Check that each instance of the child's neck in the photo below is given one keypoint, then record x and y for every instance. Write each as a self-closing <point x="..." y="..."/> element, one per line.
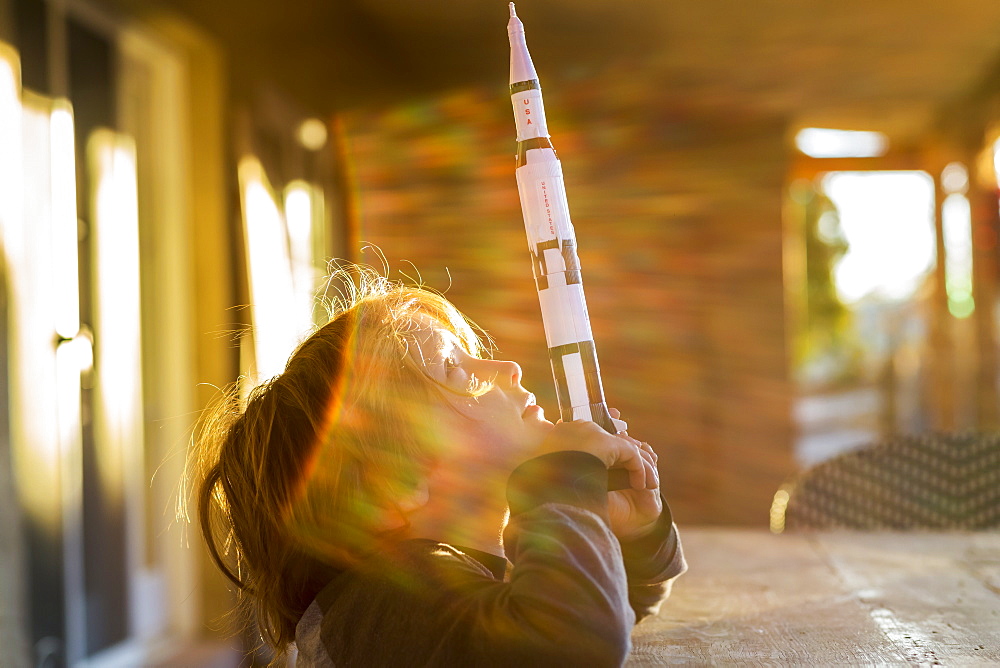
<point x="472" y="537"/>
<point x="464" y="520"/>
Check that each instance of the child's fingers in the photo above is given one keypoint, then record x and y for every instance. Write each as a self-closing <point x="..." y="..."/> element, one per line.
<point x="645" y="447"/>
<point x="651" y="477"/>
<point x="641" y="469"/>
<point x="620" y="451"/>
<point x="640" y="483"/>
<point x="629" y="457"/>
<point x="648" y="449"/>
<point x="649" y="461"/>
<point x="647" y="453"/>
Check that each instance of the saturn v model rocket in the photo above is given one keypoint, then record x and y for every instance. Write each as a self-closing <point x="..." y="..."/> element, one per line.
<point x="552" y="244"/>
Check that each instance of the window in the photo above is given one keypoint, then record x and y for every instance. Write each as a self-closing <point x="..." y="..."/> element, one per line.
<point x="93" y="213"/>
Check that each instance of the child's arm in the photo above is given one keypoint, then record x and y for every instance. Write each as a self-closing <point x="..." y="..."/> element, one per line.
<point x="650" y="545"/>
<point x="568" y="591"/>
<point x="638" y="515"/>
<point x="652" y="563"/>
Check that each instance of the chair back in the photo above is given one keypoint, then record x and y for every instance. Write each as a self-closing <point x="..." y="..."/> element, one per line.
<point x="926" y="481"/>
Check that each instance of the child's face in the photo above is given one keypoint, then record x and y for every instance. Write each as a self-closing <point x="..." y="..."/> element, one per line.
<point x="498" y="428"/>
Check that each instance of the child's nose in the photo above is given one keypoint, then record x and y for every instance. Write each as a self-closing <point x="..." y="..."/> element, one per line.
<point x="507" y="371"/>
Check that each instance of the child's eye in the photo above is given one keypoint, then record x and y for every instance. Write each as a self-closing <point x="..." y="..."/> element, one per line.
<point x="449" y="364"/>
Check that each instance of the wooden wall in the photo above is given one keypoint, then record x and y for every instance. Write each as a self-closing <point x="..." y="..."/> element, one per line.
<point x="678" y="217"/>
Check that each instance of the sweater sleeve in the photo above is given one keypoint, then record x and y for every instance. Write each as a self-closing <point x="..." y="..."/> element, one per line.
<point x="652" y="564"/>
<point x="568" y="577"/>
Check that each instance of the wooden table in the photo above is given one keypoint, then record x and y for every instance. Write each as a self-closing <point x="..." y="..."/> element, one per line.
<point x="750" y="597"/>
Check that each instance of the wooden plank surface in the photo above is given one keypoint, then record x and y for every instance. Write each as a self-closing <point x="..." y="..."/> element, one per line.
<point x="752" y="598"/>
<point x="934" y="596"/>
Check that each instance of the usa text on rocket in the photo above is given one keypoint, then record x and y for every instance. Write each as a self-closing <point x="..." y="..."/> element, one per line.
<point x="552" y="244"/>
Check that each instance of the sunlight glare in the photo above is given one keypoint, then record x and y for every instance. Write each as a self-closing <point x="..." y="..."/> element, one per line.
<point x="312" y="134"/>
<point x="996" y="160"/>
<point x="278" y="323"/>
<point x="10" y="140"/>
<point x="888" y="220"/>
<point x="64" y="222"/>
<point x="828" y="143"/>
<point x="957" y="222"/>
<point x="28" y="247"/>
<point x="955" y="178"/>
<point x="112" y="166"/>
<point x="300" y="216"/>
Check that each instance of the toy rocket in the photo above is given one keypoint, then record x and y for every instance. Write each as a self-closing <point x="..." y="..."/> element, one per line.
<point x="552" y="244"/>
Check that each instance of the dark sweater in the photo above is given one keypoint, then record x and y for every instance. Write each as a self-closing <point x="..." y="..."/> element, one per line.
<point x="569" y="596"/>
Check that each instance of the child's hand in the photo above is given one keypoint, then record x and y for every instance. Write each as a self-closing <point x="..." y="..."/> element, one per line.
<point x="614" y="451"/>
<point x="633" y="512"/>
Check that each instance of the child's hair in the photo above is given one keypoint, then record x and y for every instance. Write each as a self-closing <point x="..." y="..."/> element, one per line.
<point x="289" y="483"/>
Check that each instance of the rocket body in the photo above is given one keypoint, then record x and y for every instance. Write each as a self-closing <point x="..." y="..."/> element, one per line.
<point x="553" y="249"/>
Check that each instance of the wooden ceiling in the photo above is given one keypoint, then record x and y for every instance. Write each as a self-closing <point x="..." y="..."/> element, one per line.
<point x="879" y="64"/>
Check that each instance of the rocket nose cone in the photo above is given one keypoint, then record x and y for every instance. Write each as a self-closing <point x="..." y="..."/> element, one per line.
<point x="521" y="68"/>
<point x="514" y="24"/>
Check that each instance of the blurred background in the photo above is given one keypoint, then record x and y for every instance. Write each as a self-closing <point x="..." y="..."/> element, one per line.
<point x="787" y="216"/>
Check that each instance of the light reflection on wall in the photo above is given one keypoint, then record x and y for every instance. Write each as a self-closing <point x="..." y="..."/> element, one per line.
<point x="10" y="140"/>
<point x="279" y="319"/>
<point x="39" y="222"/>
<point x="956" y="218"/>
<point x="35" y="418"/>
<point x="74" y="356"/>
<point x="64" y="220"/>
<point x="118" y="420"/>
<point x="30" y="358"/>
<point x="300" y="215"/>
<point x="830" y="143"/>
<point x="12" y="603"/>
<point x="996" y="161"/>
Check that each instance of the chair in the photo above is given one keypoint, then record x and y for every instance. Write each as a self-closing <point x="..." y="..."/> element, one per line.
<point x="926" y="481"/>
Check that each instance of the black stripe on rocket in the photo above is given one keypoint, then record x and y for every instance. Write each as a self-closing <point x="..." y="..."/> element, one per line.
<point x="526" y="145"/>
<point x="519" y="86"/>
<point x="538" y="263"/>
<point x="591" y="372"/>
<point x="570" y="259"/>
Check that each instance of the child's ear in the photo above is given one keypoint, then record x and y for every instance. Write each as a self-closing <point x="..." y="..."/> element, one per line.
<point x="395" y="517"/>
<point x="415" y="500"/>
